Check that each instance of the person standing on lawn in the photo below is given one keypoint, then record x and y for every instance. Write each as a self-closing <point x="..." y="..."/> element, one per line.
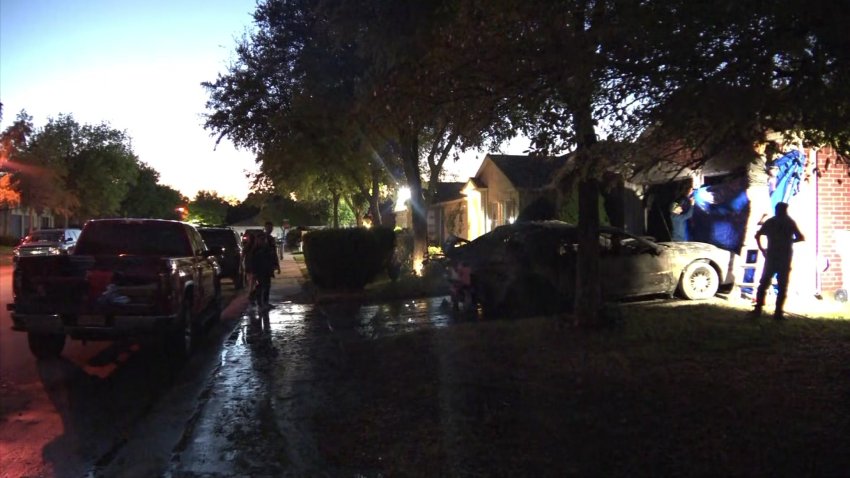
<point x="782" y="232"/>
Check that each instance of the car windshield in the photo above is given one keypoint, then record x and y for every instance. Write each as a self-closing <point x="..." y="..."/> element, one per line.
<point x="134" y="238"/>
<point x="38" y="236"/>
<point x="218" y="237"/>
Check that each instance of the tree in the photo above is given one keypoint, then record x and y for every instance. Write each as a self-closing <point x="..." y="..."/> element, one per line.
<point x="12" y="141"/>
<point x="102" y="171"/>
<point x="208" y="208"/>
<point x="146" y="198"/>
<point x="75" y="170"/>
<point x="334" y="78"/>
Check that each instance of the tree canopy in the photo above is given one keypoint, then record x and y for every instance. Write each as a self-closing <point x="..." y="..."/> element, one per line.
<point x="147" y="198"/>
<point x="79" y="171"/>
<point x="208" y="208"/>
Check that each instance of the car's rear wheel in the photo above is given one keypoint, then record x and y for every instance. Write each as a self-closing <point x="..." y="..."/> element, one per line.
<point x="699" y="281"/>
<point x="181" y="340"/>
<point x="216" y="302"/>
<point x="45" y="346"/>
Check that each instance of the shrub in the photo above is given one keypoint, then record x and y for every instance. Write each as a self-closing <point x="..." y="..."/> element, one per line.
<point x="347" y="258"/>
<point x="9" y="240"/>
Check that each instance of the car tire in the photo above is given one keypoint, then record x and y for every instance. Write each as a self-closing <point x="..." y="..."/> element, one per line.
<point x="216" y="302"/>
<point x="181" y="341"/>
<point x="699" y="281"/>
<point x="45" y="346"/>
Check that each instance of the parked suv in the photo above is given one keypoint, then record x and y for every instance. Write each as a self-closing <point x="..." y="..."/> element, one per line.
<point x="47" y="242"/>
<point x="227" y="245"/>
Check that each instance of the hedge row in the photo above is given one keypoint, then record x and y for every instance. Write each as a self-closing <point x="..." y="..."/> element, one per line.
<point x="9" y="240"/>
<point x="347" y="258"/>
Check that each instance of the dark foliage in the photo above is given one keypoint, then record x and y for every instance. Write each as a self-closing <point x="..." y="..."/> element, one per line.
<point x="347" y="258"/>
<point x="9" y="240"/>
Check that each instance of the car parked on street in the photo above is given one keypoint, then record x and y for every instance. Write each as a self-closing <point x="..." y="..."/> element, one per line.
<point x="46" y="242"/>
<point x="530" y="267"/>
<point x="125" y="278"/>
<point x="227" y="245"/>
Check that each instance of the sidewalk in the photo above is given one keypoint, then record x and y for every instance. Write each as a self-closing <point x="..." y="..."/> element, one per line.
<point x="288" y="285"/>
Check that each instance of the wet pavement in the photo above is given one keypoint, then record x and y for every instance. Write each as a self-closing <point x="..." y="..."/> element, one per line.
<point x="277" y="371"/>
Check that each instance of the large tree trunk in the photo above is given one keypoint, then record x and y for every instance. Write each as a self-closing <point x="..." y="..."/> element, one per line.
<point x="410" y="160"/>
<point x="375" y="197"/>
<point x="335" y="199"/>
<point x="588" y="292"/>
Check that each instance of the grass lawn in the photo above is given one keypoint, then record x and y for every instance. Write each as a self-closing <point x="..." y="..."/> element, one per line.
<point x="673" y="389"/>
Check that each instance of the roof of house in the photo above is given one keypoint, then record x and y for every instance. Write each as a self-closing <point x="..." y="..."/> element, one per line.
<point x="448" y="192"/>
<point x="528" y="172"/>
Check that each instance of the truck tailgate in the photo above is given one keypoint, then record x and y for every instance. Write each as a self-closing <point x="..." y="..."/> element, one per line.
<point x="112" y="285"/>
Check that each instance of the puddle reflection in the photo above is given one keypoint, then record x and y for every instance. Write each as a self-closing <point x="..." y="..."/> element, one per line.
<point x="366" y="320"/>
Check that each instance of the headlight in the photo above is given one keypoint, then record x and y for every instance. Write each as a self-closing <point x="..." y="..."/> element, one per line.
<point x="53" y="251"/>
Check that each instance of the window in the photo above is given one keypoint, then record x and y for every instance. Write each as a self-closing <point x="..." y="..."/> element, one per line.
<point x="134" y="238"/>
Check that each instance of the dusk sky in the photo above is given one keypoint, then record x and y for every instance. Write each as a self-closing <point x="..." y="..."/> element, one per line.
<point x="137" y="66"/>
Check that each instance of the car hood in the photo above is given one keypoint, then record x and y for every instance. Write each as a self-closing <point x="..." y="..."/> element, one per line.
<point x="687" y="247"/>
<point x="41" y="244"/>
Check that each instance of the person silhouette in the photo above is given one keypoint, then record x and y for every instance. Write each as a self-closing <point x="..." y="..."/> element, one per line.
<point x="679" y="218"/>
<point x="782" y="232"/>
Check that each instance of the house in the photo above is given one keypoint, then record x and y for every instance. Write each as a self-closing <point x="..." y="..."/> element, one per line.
<point x="503" y="186"/>
<point x="447" y="214"/>
<point x="17" y="221"/>
<point x="732" y="200"/>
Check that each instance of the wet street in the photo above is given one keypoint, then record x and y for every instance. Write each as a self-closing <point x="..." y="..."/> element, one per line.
<point x="245" y="404"/>
<point x="279" y="370"/>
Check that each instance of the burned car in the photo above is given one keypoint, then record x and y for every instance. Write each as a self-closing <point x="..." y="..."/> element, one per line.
<point x="530" y="267"/>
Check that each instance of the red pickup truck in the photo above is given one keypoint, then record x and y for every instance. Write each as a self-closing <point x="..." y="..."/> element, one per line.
<point x="125" y="278"/>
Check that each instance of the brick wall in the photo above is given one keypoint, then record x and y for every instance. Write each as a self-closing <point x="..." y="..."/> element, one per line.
<point x="834" y="214"/>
